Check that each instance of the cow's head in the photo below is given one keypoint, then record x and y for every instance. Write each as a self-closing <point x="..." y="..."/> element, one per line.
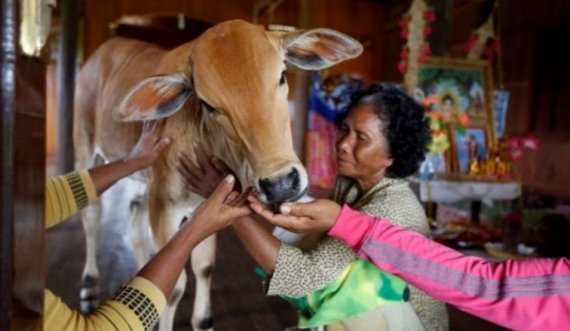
<point x="236" y="72"/>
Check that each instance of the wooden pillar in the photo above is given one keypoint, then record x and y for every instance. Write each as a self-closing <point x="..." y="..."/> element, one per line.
<point x="66" y="72"/>
<point x="8" y="35"/>
<point x="22" y="152"/>
<point x="302" y="85"/>
<point x="29" y="184"/>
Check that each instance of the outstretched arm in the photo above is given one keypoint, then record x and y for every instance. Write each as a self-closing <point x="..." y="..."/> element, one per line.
<point x="147" y="150"/>
<point x="218" y="211"/>
<point x="320" y="265"/>
<point x="69" y="193"/>
<point x="138" y="305"/>
<point x="511" y="293"/>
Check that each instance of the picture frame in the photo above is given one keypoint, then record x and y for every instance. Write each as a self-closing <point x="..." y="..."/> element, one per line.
<point x="460" y="86"/>
<point x="474" y="143"/>
<point x="501" y="103"/>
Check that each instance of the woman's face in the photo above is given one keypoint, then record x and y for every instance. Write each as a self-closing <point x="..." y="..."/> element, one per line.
<point x="361" y="148"/>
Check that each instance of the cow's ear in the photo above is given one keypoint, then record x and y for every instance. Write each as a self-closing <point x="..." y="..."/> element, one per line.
<point x="317" y="49"/>
<point x="154" y="98"/>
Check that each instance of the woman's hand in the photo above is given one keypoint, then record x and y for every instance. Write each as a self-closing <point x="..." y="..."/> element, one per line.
<point x="222" y="207"/>
<point x="203" y="177"/>
<point x="149" y="146"/>
<point x="147" y="149"/>
<point x="315" y="216"/>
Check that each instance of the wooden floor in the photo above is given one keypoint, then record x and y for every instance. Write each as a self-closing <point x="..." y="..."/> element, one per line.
<point x="238" y="300"/>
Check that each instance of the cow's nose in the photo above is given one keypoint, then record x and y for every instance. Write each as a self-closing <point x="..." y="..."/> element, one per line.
<point x="281" y="188"/>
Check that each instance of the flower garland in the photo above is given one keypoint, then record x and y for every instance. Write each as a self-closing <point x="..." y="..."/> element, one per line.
<point x="483" y="42"/>
<point x="415" y="27"/>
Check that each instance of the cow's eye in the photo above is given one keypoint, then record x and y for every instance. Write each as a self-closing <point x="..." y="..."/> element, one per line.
<point x="283" y="78"/>
<point x="208" y="107"/>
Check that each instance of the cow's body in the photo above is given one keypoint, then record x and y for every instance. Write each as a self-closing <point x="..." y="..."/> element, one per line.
<point x="224" y="90"/>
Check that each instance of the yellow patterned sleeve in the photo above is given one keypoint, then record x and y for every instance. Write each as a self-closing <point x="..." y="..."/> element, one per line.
<point x="67" y="194"/>
<point x="136" y="306"/>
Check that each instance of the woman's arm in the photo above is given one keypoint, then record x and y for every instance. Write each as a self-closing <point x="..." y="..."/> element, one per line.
<point x="202" y="177"/>
<point x="147" y="150"/>
<point x="138" y="305"/>
<point x="319" y="266"/>
<point x="531" y="294"/>
<point x="69" y="193"/>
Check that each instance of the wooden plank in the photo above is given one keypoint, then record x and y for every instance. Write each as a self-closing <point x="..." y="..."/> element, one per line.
<point x="29" y="176"/>
<point x="8" y="28"/>
<point x="66" y="72"/>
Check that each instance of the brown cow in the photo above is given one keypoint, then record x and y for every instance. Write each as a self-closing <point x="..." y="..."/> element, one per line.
<point x="227" y="90"/>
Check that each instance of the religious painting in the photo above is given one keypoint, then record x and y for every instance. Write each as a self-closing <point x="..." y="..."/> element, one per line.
<point x="462" y="90"/>
<point x="469" y="147"/>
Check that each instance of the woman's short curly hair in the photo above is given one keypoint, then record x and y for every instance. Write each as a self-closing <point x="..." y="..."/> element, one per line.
<point x="405" y="126"/>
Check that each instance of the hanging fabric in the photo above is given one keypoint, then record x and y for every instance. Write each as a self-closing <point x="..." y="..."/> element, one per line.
<point x="328" y="99"/>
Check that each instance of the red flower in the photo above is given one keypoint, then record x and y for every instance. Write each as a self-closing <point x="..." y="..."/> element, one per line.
<point x="404" y="33"/>
<point x="427" y="31"/>
<point x="404" y="54"/>
<point x="530" y="143"/>
<point x="470" y="43"/>
<point x="429" y="15"/>
<point x="426" y="51"/>
<point x="402" y="67"/>
<point x="403" y="22"/>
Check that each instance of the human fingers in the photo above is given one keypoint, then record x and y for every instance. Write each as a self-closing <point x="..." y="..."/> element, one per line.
<point x="317" y="215"/>
<point x="146" y="126"/>
<point x="150" y="127"/>
<point x="311" y="209"/>
<point x="223" y="190"/>
<point x="239" y="211"/>
<point x="203" y="160"/>
<point x="191" y="174"/>
<point x="252" y="198"/>
<point x="231" y="197"/>
<point x="291" y="223"/>
<point x="162" y="144"/>
<point x="220" y="165"/>
<point x="241" y="198"/>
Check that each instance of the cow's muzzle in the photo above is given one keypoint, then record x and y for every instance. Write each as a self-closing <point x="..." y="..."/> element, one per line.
<point x="282" y="188"/>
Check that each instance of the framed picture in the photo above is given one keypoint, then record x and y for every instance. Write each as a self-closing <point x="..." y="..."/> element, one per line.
<point x="459" y="86"/>
<point x="471" y="145"/>
<point x="501" y="100"/>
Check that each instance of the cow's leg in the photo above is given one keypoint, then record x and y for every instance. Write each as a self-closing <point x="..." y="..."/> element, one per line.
<point x="203" y="259"/>
<point x="89" y="294"/>
<point x="139" y="232"/>
<point x="91" y="220"/>
<point x="167" y="318"/>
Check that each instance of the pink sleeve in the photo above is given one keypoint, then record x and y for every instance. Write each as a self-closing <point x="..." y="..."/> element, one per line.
<point x="531" y="294"/>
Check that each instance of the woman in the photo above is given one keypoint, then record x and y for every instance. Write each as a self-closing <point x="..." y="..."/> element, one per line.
<point x="382" y="139"/>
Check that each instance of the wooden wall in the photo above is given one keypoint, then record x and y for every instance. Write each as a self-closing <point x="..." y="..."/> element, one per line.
<point x="538" y="75"/>
<point x="360" y="19"/>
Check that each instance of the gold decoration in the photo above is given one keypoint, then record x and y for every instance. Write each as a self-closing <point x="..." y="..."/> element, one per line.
<point x="35" y="25"/>
<point x="483" y="33"/>
<point x="415" y="42"/>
